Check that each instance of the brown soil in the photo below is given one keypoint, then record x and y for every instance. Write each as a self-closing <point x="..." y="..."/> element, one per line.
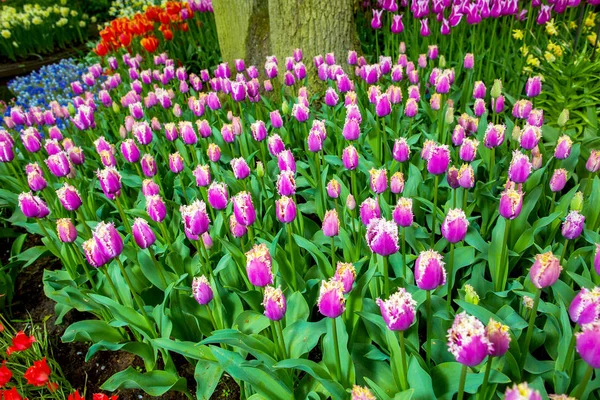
<point x="30" y="302"/>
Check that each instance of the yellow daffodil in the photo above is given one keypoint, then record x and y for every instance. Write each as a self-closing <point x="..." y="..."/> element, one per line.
<point x="551" y="28"/>
<point x="532" y="60"/>
<point x="5" y="33"/>
<point x="524" y="50"/>
<point x="518" y="34"/>
<point x="590" y="20"/>
<point x="527" y="70"/>
<point x="592" y="38"/>
<point x="549" y="57"/>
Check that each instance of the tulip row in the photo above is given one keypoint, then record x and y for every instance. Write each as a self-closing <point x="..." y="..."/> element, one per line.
<point x="215" y="223"/>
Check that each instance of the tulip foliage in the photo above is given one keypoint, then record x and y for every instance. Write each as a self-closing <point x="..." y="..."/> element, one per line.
<point x="415" y="237"/>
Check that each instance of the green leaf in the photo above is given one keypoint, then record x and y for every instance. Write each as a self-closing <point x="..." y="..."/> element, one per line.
<point x="302" y="336"/>
<point x="320" y="259"/>
<point x="155" y="383"/>
<point x="207" y="375"/>
<point x="186" y="349"/>
<point x="316" y="371"/>
<point x="251" y="322"/>
<point x="91" y="331"/>
<point x="125" y="314"/>
<point x="420" y="381"/>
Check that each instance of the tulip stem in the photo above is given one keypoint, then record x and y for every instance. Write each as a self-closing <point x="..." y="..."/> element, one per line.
<point x="578" y="394"/>
<point x="503" y="267"/>
<point x="429" y="322"/>
<point x="525" y="348"/>
<point x="337" y="350"/>
<point x="386" y="276"/>
<point x="384" y="142"/>
<point x="158" y="267"/>
<point x="136" y="297"/>
<point x="291" y="256"/>
<point x="492" y="160"/>
<point x="333" y="264"/>
<point x="486" y="377"/>
<point x="569" y="356"/>
<point x="434" y="216"/>
<point x="112" y="285"/>
<point x="450" y="276"/>
<point x="85" y="267"/>
<point x="461" y="385"/>
<point x="403" y="376"/>
<point x="279" y="330"/>
<point x="211" y="317"/>
<point x="404" y="254"/>
<point x="564" y="252"/>
<point x="122" y="213"/>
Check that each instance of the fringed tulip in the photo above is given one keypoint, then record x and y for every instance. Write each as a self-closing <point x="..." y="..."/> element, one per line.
<point x="398" y="310"/>
<point x="258" y="265"/>
<point x="274" y="303"/>
<point x="545" y="270"/>
<point x="429" y="270"/>
<point x="585" y="307"/>
<point x="467" y="340"/>
<point x="201" y="290"/>
<point x="382" y="236"/>
<point x="331" y="302"/>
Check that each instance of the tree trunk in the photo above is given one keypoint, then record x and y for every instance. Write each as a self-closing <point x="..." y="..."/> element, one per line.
<point x="315" y="26"/>
<point x="243" y="29"/>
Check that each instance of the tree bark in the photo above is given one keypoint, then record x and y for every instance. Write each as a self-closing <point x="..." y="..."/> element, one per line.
<point x="243" y="29"/>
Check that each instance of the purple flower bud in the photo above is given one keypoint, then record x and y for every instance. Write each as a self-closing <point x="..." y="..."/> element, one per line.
<point x="402" y="212"/>
<point x="286" y="161"/>
<point x="522" y="108"/>
<point x="585" y="307"/>
<point x="94" y="254"/>
<point x="314" y="141"/>
<point x="108" y="239"/>
<point x="275" y="145"/>
<point x="438" y="159"/>
<point x="573" y="225"/>
<point x="429" y="270"/>
<point x="213" y="152"/>
<point x="201" y="290"/>
<point x="300" y="112"/>
<point x="530" y="136"/>
<point x="533" y="87"/>
<point x="425" y="27"/>
<point x="350" y="202"/>
<point x="435" y="101"/>
<point x="536" y="118"/>
<point x="469" y="61"/>
<point x="333" y="189"/>
<point x="285" y="209"/>
<point x="240" y="168"/>
<point x="382" y="105"/>
<point x="258" y="266"/>
<point x="521" y="391"/>
<point x="563" y="147"/>
<point x="149" y="187"/>
<point x="398" y="311"/>
<point x="110" y="181"/>
<point x="143" y="234"/>
<point x="66" y="231"/>
<point x="202" y="174"/>
<point x="350" y="158"/>
<point x="331" y="97"/>
<point x="259" y="131"/>
<point x="401" y="150"/>
<point x="331" y="300"/>
<point x="195" y="218"/>
<point x="559" y="179"/>
<point x="69" y="197"/>
<point x="593" y="163"/>
<point x="468" y="149"/>
<point x="520" y="167"/>
<point x="499" y="336"/>
<point x="494" y="135"/>
<point x="455" y="226"/>
<point x="479" y="90"/>
<point x="498" y="104"/>
<point x="149" y="167"/>
<point x="59" y="164"/>
<point x="218" y="196"/>
<point x="382" y="236"/>
<point x="6" y="152"/>
<point x="376" y="20"/>
<point x="511" y="202"/>
<point x="378" y="179"/>
<point x="411" y="108"/>
<point x="243" y="208"/>
<point x="36" y="180"/>
<point x="545" y="270"/>
<point x="187" y="133"/>
<point x="351" y="130"/>
<point x="274" y="303"/>
<point x="479" y="108"/>
<point x="130" y="151"/>
<point x="369" y="209"/>
<point x="588" y="344"/>
<point x="346" y="274"/>
<point x="467" y="340"/>
<point x="466" y="176"/>
<point x="175" y="162"/>
<point x="331" y="223"/>
<point x="397" y="183"/>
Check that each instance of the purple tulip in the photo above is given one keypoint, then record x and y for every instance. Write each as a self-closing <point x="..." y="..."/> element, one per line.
<point x="411" y="108"/>
<point x="155" y="208"/>
<point x="401" y="150"/>
<point x="520" y="167"/>
<point x="521" y="391"/>
<point x="402" y="212"/>
<point x="218" y="196"/>
<point x="195" y="218"/>
<point x="498" y="104"/>
<point x="142" y="233"/>
<point x="438" y="159"/>
<point x="149" y="167"/>
<point x="455" y="225"/>
<point x="59" y="164"/>
<point x="274" y="303"/>
<point x="331" y="300"/>
<point x="110" y="182"/>
<point x="397" y="183"/>
<point x="6" y="152"/>
<point x="563" y="147"/>
<point x="593" y="163"/>
<point x="202" y="174"/>
<point x="511" y="202"/>
<point x="300" y="112"/>
<point x="398" y="311"/>
<point x="108" y="239"/>
<point x="331" y="223"/>
<point x="382" y="105"/>
<point x="369" y="209"/>
<point x="259" y="131"/>
<point x="499" y="336"/>
<point x="240" y="168"/>
<point x="545" y="270"/>
<point x="588" y="344"/>
<point x="559" y="179"/>
<point x="522" y="109"/>
<point x="69" y="197"/>
<point x="479" y="90"/>
<point x="243" y="208"/>
<point x="94" y="254"/>
<point x="585" y="307"/>
<point x="382" y="236"/>
<point x="213" y="152"/>
<point x="130" y="151"/>
<point x="237" y="230"/>
<point x="285" y="209"/>
<point x="425" y="27"/>
<point x="66" y="231"/>
<point x="333" y="189"/>
<point x="361" y="393"/>
<point x="429" y="270"/>
<point x="376" y="20"/>
<point x="469" y="61"/>
<point x="530" y="136"/>
<point x="201" y="290"/>
<point x="258" y="266"/>
<point x="204" y="128"/>
<point x="533" y="87"/>
<point x="378" y="179"/>
<point x="149" y="187"/>
<point x="175" y="162"/>
<point x="346" y="274"/>
<point x="467" y="340"/>
<point x="573" y="225"/>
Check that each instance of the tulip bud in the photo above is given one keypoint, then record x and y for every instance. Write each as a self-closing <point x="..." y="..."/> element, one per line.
<point x="155" y="207"/>
<point x="109" y="240"/>
<point x="213" y="152"/>
<point x="559" y="179"/>
<point x="350" y="158"/>
<point x="530" y="136"/>
<point x="469" y="61"/>
<point x="563" y="118"/>
<point x="573" y="225"/>
<point x="521" y="391"/>
<point x="369" y="209"/>
<point x="585" y="307"/>
<point x="331" y="300"/>
<point x="429" y="270"/>
<point x="240" y="168"/>
<point x="333" y="189"/>
<point x="218" y="196"/>
<point x="455" y="225"/>
<point x="577" y="202"/>
<point x="286" y="161"/>
<point x="243" y="208"/>
<point x="362" y="393"/>
<point x="533" y="87"/>
<point x="331" y="223"/>
<point x="258" y="265"/>
<point x="402" y="212"/>
<point x="382" y="236"/>
<point x="175" y="162"/>
<point x="479" y="90"/>
<point x="401" y="150"/>
<point x="511" y="202"/>
<point x="195" y="218"/>
<point x="471" y="295"/>
<point x="466" y="176"/>
<point x="588" y="344"/>
<point x="93" y="254"/>
<point x="438" y="159"/>
<point x="563" y="147"/>
<point x="496" y="88"/>
<point x="66" y="230"/>
<point x="143" y="234"/>
<point x="494" y="135"/>
<point x="499" y="336"/>
<point x="520" y="167"/>
<point x="378" y="180"/>
<point x="202" y="174"/>
<point x="69" y="197"/>
<point x="452" y="177"/>
<point x="285" y="209"/>
<point x="398" y="311"/>
<point x="397" y="183"/>
<point x="593" y="163"/>
<point x="274" y="303"/>
<point x="350" y="202"/>
<point x="201" y="290"/>
<point x="545" y="270"/>
<point x="467" y="340"/>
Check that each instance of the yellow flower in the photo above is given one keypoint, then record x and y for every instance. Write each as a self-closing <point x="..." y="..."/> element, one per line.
<point x="73" y="13"/>
<point x="590" y="19"/>
<point x="524" y="50"/>
<point x="37" y="21"/>
<point x="551" y="28"/>
<point x="5" y="33"/>
<point x="531" y="60"/>
<point x="549" y="57"/>
<point x="573" y="25"/>
<point x="592" y="38"/>
<point x="527" y="70"/>
<point x="82" y="24"/>
<point x="518" y="34"/>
